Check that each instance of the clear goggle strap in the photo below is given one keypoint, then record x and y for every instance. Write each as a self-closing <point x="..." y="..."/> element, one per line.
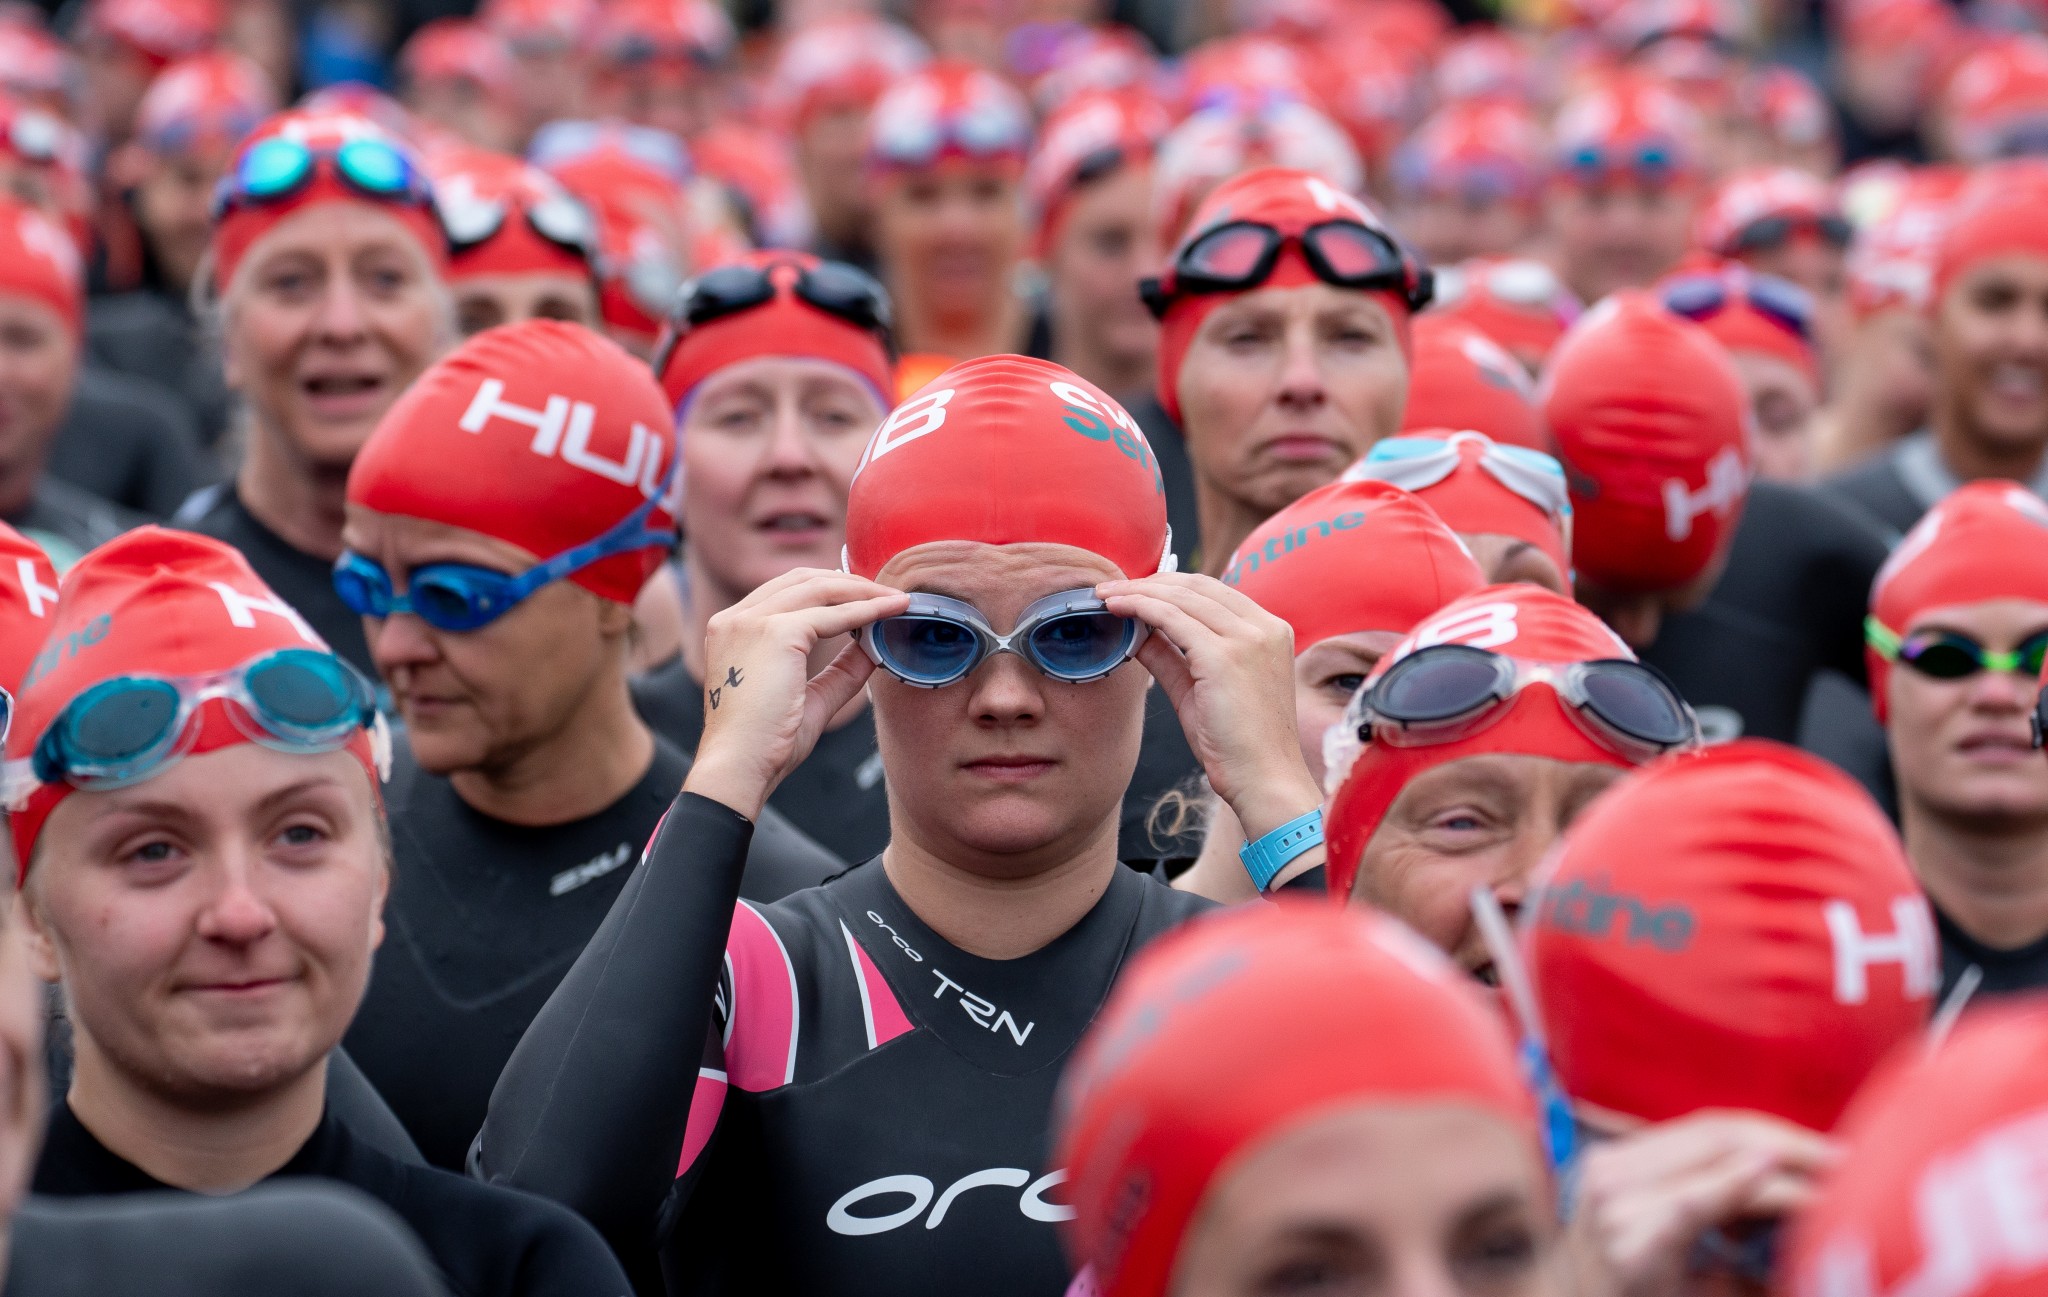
<point x="1554" y="1110"/>
<point x="17" y="783"/>
<point x="1951" y="1010"/>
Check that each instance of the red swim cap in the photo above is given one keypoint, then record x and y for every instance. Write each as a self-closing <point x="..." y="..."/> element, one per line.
<point x="1524" y="622"/>
<point x="460" y="49"/>
<point x="541" y="434"/>
<point x="1088" y="137"/>
<point x="786" y="326"/>
<point x="1007" y="450"/>
<point x="949" y="110"/>
<point x="39" y="261"/>
<point x="1938" y="1192"/>
<point x="1998" y="214"/>
<point x="1520" y="304"/>
<point x="211" y="97"/>
<point x="1289" y="201"/>
<point x="1153" y="1112"/>
<point x="1652" y="426"/>
<point x="1463" y="379"/>
<point x="28" y="604"/>
<point x="1733" y="928"/>
<point x="475" y="187"/>
<point x="843" y="62"/>
<point x="1353" y="556"/>
<point x="154" y="602"/>
<point x="1986" y="540"/>
<point x="235" y="233"/>
<point x="1474" y="502"/>
<point x="1796" y="196"/>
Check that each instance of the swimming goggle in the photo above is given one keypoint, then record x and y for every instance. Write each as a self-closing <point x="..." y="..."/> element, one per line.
<point x="275" y="169"/>
<point x="1447" y="692"/>
<point x="558" y="218"/>
<point x="1947" y="655"/>
<point x="844" y="292"/>
<point x="1071" y="637"/>
<point x="1702" y="297"/>
<point x="464" y="597"/>
<point x="1238" y="256"/>
<point x="1418" y="463"/>
<point x="127" y="729"/>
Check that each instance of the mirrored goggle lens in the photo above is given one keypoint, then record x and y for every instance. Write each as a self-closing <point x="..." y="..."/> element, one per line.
<point x="561" y="219"/>
<point x="927" y="649"/>
<point x="724" y="291"/>
<point x="305" y="693"/>
<point x="375" y="167"/>
<point x="1633" y="701"/>
<point x="1232" y="254"/>
<point x="1082" y="644"/>
<point x="119" y="722"/>
<point x="1946" y="658"/>
<point x="273" y="167"/>
<point x="1437" y="685"/>
<point x="1354" y="252"/>
<point x="1695" y="297"/>
<point x="471" y="220"/>
<point x="847" y="293"/>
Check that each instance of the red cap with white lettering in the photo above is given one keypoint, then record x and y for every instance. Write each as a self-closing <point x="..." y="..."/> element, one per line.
<point x="1524" y="622"/>
<point x="542" y="434"/>
<point x="1733" y="928"/>
<point x="1006" y="450"/>
<point x="1938" y="1192"/>
<point x="28" y="601"/>
<point x="1652" y="427"/>
<point x="153" y="602"/>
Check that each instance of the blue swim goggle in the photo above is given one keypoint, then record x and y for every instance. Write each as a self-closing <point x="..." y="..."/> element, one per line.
<point x="464" y="597"/>
<point x="1071" y="637"/>
<point x="274" y="169"/>
<point x="124" y="730"/>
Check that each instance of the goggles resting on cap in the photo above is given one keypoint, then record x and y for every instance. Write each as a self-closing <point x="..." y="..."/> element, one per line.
<point x="1702" y="297"/>
<point x="844" y="292"/>
<point x="1070" y="636"/>
<point x="1766" y="233"/>
<point x="1238" y="256"/>
<point x="558" y="218"/>
<point x="275" y="169"/>
<point x="1418" y="463"/>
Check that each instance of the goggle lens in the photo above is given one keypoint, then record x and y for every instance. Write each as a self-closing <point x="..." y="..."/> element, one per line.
<point x="927" y="649"/>
<point x="1079" y="645"/>
<point x="1353" y="252"/>
<point x="273" y="167"/>
<point x="1230" y="253"/>
<point x="1629" y="699"/>
<point x="121" y="720"/>
<point x="308" y="692"/>
<point x="1438" y="686"/>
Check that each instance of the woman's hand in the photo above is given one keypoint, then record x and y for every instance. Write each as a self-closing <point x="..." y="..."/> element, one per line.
<point x="763" y="710"/>
<point x="1645" y="1198"/>
<point x="1228" y="667"/>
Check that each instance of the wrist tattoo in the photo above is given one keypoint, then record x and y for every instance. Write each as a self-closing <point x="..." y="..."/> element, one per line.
<point x="732" y="681"/>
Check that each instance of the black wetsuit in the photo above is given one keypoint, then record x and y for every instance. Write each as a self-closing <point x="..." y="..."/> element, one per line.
<point x="1789" y="607"/>
<point x="486" y="1241"/>
<point x="305" y="581"/>
<point x="836" y="796"/>
<point x="129" y="441"/>
<point x="1904" y="481"/>
<point x="309" y="1238"/>
<point x="2006" y="972"/>
<point x="483" y="920"/>
<point x="67" y="520"/>
<point x="819" y="1096"/>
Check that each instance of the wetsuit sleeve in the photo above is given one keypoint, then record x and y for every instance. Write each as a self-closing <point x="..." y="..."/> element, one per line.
<point x="592" y="1108"/>
<point x="1837" y="584"/>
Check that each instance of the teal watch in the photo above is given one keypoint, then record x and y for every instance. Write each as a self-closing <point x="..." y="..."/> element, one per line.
<point x="1264" y="859"/>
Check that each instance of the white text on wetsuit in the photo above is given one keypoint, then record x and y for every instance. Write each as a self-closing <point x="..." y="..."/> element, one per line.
<point x="984" y="1012"/>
